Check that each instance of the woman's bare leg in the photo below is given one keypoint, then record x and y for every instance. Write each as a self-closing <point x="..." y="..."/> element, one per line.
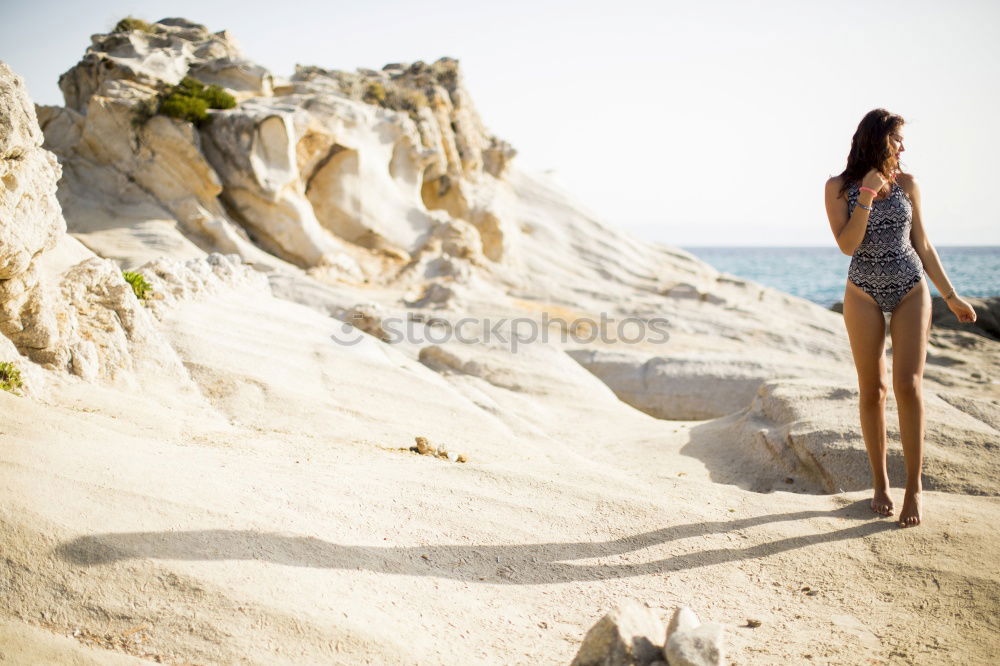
<point x="910" y="328"/>
<point x="866" y="331"/>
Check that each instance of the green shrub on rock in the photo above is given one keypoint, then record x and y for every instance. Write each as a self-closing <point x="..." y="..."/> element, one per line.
<point x="140" y="287"/>
<point x="407" y="99"/>
<point x="189" y="100"/>
<point x="392" y="95"/>
<point x="10" y="377"/>
<point x="374" y="93"/>
<point x="182" y="107"/>
<point x="130" y="23"/>
<point x="217" y="98"/>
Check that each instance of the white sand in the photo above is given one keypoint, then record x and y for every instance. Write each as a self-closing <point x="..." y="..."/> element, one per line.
<point x="274" y="519"/>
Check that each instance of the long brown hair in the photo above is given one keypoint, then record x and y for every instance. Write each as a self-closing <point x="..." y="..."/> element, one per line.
<point x="870" y="148"/>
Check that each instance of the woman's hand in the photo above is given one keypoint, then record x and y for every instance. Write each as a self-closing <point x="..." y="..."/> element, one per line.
<point x="961" y="309"/>
<point x="874" y="179"/>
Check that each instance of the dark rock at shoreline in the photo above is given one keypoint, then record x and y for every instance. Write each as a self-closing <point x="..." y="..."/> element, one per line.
<point x="987" y="316"/>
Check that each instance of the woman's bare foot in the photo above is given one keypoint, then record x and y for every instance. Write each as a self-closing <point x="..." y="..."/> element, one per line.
<point x="909" y="516"/>
<point x="881" y="502"/>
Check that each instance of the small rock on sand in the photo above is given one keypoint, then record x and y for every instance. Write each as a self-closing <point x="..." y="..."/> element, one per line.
<point x="628" y="635"/>
<point x="701" y="646"/>
<point x="683" y="619"/>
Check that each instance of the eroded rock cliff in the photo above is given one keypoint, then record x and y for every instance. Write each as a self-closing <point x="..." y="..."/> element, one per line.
<point x="62" y="306"/>
<point x="328" y="169"/>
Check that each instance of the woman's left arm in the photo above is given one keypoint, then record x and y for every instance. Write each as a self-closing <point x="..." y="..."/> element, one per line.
<point x="929" y="256"/>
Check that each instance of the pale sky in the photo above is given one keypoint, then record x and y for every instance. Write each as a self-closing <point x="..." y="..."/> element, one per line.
<point x="689" y="123"/>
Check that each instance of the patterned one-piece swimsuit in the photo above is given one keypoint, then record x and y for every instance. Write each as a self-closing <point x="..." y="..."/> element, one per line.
<point x="885" y="264"/>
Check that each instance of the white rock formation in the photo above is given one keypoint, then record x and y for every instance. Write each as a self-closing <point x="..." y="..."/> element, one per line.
<point x="118" y="176"/>
<point x="171" y="49"/>
<point x="62" y="306"/>
<point x="809" y="429"/>
<point x="31" y="223"/>
<point x="174" y="280"/>
<point x="321" y="175"/>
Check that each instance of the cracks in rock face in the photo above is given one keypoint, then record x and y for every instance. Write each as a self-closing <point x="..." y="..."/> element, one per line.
<point x="334" y="150"/>
<point x="811" y="465"/>
<point x="242" y="224"/>
<point x="210" y="148"/>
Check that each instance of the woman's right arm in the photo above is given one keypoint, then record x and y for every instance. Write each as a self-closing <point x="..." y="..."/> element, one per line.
<point x="849" y="232"/>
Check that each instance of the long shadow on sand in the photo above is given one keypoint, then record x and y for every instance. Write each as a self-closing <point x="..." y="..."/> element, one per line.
<point x="516" y="563"/>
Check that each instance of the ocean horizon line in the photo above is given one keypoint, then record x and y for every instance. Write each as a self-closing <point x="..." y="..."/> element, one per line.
<point x="817" y="272"/>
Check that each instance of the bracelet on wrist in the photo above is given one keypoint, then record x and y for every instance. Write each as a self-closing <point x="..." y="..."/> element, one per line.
<point x="868" y="208"/>
<point x="949" y="295"/>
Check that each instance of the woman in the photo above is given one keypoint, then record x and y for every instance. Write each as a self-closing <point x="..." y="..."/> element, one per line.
<point x="874" y="211"/>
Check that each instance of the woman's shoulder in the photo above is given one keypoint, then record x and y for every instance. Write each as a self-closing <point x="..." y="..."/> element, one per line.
<point x="835" y="183"/>
<point x="907" y="182"/>
<point x="835" y="188"/>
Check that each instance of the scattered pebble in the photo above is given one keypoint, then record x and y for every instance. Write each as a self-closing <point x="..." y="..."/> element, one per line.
<point x="425" y="448"/>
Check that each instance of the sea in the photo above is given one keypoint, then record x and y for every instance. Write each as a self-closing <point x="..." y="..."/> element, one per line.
<point x="819" y="273"/>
